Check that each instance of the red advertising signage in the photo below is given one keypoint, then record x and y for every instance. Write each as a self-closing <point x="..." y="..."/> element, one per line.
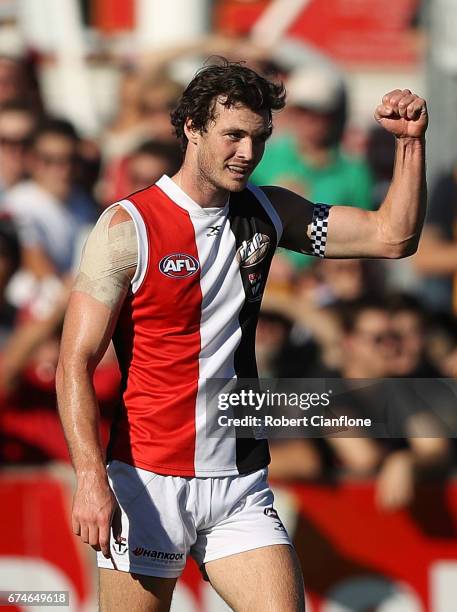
<point x="350" y="31"/>
<point x="113" y="15"/>
<point x="38" y="550"/>
<point x="353" y="555"/>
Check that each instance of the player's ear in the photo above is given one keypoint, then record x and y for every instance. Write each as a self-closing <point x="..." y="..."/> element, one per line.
<point x="190" y="131"/>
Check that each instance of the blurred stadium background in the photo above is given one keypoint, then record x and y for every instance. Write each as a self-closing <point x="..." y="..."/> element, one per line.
<point x="85" y="91"/>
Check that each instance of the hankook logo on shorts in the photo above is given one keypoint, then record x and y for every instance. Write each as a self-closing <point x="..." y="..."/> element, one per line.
<point x="157" y="554"/>
<point x="252" y="251"/>
<point x="178" y="265"/>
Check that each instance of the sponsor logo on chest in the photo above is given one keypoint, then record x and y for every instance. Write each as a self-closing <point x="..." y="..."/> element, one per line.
<point x="253" y="251"/>
<point x="178" y="265"/>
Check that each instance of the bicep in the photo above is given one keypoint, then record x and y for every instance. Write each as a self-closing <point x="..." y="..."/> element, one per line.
<point x="89" y="325"/>
<point x="352" y="232"/>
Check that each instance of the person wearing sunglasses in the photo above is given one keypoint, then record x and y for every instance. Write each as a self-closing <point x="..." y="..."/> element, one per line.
<point x="50" y="208"/>
<point x="17" y="123"/>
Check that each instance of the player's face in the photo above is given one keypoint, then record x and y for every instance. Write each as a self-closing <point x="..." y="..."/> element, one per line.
<point x="232" y="146"/>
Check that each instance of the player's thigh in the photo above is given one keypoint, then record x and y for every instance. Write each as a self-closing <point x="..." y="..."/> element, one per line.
<point x="267" y="578"/>
<point x="121" y="591"/>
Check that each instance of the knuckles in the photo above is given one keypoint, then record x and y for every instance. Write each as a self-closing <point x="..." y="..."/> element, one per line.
<point x="91" y="519"/>
<point x="400" y="100"/>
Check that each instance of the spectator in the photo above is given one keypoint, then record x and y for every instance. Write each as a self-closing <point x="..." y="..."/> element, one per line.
<point x="142" y="168"/>
<point x="121" y="135"/>
<point x="314" y="346"/>
<point x="10" y="258"/>
<point x="360" y="456"/>
<point x="442" y="343"/>
<point x="17" y="124"/>
<point x="380" y="154"/>
<point x="409" y="324"/>
<point x="144" y="112"/>
<point x="344" y="280"/>
<point x="369" y="340"/>
<point x="158" y="97"/>
<point x="371" y="346"/>
<point x="272" y="331"/>
<point x="309" y="160"/>
<point x="50" y="208"/>
<point x="436" y="258"/>
<point x="13" y="80"/>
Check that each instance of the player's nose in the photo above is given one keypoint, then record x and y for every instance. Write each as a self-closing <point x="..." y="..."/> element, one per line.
<point x="245" y="150"/>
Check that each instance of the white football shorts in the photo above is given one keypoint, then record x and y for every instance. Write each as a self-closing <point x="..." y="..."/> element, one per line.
<point x="166" y="518"/>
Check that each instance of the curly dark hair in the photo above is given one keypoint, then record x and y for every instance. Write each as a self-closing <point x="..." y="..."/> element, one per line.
<point x="231" y="83"/>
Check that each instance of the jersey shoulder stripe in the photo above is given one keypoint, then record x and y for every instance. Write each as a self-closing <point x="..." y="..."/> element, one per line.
<point x="142" y="240"/>
<point x="268" y="208"/>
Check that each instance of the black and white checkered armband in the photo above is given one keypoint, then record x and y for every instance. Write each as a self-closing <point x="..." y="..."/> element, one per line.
<point x="319" y="229"/>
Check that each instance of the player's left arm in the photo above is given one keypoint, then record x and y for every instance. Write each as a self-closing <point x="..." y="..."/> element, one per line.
<point x="393" y="231"/>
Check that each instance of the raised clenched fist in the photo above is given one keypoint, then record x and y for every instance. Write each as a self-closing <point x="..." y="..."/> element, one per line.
<point x="403" y="113"/>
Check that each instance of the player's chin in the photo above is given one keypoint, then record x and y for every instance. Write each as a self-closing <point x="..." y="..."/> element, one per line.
<point x="237" y="182"/>
<point x="236" y="187"/>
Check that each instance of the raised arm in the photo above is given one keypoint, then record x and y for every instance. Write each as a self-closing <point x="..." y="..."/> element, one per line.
<point x="107" y="266"/>
<point x="393" y="231"/>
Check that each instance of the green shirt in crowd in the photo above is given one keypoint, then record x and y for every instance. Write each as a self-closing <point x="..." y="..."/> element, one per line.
<point x="346" y="180"/>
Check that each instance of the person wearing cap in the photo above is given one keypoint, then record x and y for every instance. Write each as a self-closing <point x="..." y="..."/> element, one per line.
<point x="308" y="158"/>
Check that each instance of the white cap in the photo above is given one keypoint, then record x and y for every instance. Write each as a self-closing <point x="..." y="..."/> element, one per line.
<point x="315" y="88"/>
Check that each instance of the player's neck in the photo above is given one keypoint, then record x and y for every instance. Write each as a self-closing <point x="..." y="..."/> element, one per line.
<point x="200" y="190"/>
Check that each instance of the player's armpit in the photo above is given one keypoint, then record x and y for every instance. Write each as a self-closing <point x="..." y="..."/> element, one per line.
<point x="109" y="259"/>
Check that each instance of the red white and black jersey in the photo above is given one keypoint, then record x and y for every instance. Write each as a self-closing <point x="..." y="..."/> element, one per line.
<point x="191" y="315"/>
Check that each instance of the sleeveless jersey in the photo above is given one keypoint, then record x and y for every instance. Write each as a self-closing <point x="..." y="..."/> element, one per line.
<point x="191" y="315"/>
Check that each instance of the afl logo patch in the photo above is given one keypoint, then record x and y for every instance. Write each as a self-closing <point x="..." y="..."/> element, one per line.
<point x="179" y="265"/>
<point x="252" y="251"/>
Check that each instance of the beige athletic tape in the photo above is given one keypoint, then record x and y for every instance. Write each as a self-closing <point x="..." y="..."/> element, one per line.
<point x="109" y="260"/>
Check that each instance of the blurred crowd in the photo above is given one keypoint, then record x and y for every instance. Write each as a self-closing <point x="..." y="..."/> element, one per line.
<point x="320" y="318"/>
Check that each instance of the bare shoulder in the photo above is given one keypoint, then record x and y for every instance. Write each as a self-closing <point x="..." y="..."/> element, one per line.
<point x="119" y="215"/>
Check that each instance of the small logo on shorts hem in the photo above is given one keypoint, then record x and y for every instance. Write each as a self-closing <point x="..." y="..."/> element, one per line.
<point x="271" y="512"/>
<point x="120" y="547"/>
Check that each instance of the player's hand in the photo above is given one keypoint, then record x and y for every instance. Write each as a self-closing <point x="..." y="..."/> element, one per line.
<point x="403" y="114"/>
<point x="94" y="505"/>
